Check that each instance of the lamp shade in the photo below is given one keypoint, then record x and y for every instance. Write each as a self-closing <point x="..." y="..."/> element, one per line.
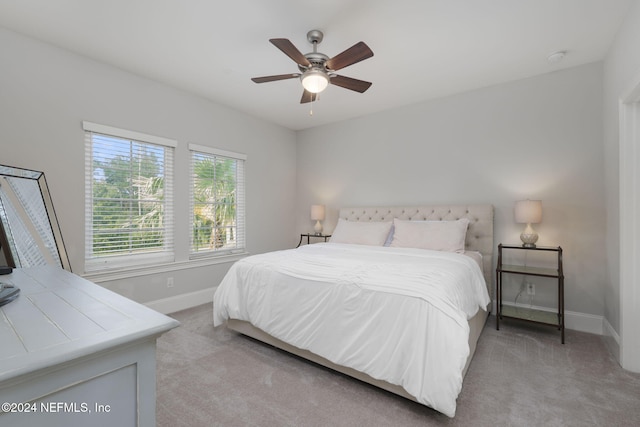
<point x="528" y="211"/>
<point x="317" y="212"/>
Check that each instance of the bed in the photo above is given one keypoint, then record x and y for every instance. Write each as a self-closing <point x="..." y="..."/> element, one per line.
<point x="394" y="312"/>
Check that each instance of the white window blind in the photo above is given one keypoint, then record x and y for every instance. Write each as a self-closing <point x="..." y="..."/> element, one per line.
<point x="129" y="198"/>
<point x="217" y="202"/>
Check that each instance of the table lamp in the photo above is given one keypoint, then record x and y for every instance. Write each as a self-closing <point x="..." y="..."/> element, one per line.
<point x="317" y="214"/>
<point x="528" y="212"/>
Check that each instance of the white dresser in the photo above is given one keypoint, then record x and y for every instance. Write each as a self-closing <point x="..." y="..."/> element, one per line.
<point x="75" y="354"/>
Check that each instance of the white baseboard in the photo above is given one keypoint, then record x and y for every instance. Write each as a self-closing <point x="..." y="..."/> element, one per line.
<point x="573" y="320"/>
<point x="612" y="339"/>
<point x="610" y="332"/>
<point x="182" y="302"/>
<point x="583" y="322"/>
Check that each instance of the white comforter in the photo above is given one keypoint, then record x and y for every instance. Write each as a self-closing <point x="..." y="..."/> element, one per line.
<point x="399" y="315"/>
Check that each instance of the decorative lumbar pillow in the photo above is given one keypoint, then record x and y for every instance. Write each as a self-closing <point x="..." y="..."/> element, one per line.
<point x="361" y="233"/>
<point x="436" y="235"/>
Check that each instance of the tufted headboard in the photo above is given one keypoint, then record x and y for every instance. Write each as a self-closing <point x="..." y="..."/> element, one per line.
<point x="479" y="234"/>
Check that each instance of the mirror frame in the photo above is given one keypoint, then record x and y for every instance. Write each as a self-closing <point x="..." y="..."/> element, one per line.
<point x="17" y="172"/>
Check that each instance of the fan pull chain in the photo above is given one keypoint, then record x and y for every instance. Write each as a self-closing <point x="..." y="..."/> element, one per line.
<point x="313" y="99"/>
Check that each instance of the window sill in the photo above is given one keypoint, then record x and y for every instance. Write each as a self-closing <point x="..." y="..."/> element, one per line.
<point x="126" y="273"/>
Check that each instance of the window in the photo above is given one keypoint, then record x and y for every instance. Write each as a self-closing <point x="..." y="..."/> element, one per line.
<point x="217" y="202"/>
<point x="129" y="198"/>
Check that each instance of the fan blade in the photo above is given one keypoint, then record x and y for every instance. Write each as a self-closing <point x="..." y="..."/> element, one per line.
<point x="356" y="53"/>
<point x="291" y="51"/>
<point x="274" y="78"/>
<point x="349" y="83"/>
<point x="308" y="97"/>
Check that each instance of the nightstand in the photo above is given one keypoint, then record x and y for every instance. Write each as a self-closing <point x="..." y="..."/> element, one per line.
<point x="309" y="236"/>
<point x="528" y="314"/>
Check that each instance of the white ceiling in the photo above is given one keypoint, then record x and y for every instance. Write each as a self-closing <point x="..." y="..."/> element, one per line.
<point x="423" y="49"/>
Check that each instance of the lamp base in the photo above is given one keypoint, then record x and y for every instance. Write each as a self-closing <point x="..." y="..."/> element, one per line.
<point x="318" y="228"/>
<point x="529" y="239"/>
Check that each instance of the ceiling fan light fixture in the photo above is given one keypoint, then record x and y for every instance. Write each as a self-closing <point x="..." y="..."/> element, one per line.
<point x="317" y="70"/>
<point x="315" y="80"/>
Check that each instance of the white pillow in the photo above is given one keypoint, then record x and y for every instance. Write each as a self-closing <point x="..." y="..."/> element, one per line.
<point x="361" y="233"/>
<point x="447" y="236"/>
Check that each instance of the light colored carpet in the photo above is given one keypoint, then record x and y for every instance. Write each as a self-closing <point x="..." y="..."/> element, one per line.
<point x="520" y="376"/>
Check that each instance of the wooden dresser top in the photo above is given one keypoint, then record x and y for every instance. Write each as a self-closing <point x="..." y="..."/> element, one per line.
<point x="60" y="316"/>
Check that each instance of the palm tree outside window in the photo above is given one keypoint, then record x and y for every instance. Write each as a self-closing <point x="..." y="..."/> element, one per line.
<point x="217" y="202"/>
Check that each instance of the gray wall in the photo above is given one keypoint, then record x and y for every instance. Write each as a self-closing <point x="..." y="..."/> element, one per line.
<point x="538" y="138"/>
<point x="621" y="70"/>
<point x="46" y="93"/>
<point x="534" y="138"/>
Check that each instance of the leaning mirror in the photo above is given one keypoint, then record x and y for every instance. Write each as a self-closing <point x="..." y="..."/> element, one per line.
<point x="29" y="231"/>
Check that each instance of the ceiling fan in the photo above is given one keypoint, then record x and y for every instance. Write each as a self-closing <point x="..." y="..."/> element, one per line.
<point x="317" y="69"/>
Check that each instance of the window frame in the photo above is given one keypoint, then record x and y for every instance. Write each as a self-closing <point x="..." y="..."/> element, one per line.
<point x="240" y="201"/>
<point x="95" y="263"/>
